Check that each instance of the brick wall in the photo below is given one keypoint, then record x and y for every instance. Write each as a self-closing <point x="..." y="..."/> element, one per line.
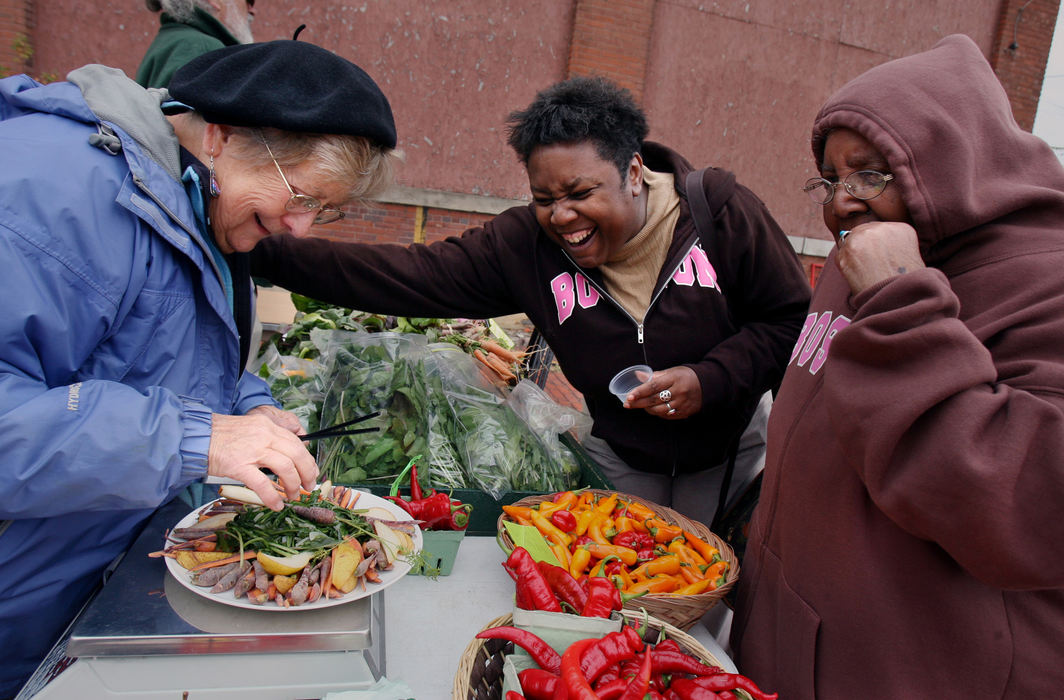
<point x="16" y="37"/>
<point x="1021" y="47"/>
<point x="400" y="223"/>
<point x="612" y="38"/>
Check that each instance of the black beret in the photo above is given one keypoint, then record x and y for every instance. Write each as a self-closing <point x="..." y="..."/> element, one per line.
<point x="285" y="84"/>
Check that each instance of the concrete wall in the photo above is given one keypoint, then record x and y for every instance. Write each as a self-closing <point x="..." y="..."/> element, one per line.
<point x="734" y="83"/>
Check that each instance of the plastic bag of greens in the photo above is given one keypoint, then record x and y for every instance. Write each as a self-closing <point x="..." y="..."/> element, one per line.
<point x="446" y="366"/>
<point x="366" y="373"/>
<point x="547" y="420"/>
<point x="500" y="450"/>
<point x="296" y="384"/>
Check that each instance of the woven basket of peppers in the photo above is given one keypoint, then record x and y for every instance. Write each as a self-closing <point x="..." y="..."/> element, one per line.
<point x="661" y="561"/>
<point x="647" y="658"/>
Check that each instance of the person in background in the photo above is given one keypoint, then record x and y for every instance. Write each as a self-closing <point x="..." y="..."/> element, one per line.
<point x="188" y="28"/>
<point x="909" y="539"/>
<point x="126" y="218"/>
<point x="607" y="263"/>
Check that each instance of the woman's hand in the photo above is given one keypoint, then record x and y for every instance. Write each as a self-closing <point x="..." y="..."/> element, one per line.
<point x="671" y="394"/>
<point x="241" y="446"/>
<point x="285" y="419"/>
<point x="876" y="251"/>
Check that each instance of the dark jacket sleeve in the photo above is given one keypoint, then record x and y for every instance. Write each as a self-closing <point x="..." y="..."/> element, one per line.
<point x="768" y="298"/>
<point x="464" y="276"/>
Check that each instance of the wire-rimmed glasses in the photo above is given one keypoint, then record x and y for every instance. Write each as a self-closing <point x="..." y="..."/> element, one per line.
<point x="863" y="184"/>
<point x="303" y="203"/>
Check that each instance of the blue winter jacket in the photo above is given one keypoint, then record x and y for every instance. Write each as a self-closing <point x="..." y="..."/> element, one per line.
<point x="117" y="343"/>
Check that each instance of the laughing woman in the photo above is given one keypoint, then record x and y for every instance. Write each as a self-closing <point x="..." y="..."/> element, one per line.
<point x="608" y="264"/>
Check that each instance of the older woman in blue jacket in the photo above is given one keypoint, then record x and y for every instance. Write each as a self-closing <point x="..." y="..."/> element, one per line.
<point x="125" y="219"/>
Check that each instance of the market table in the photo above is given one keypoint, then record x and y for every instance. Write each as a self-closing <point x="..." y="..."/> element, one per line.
<point x="428" y="623"/>
<point x="145" y="636"/>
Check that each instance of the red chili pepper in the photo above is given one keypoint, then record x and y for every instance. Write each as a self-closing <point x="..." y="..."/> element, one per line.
<point x="439" y="512"/>
<point x="655" y="695"/>
<point x="686" y="689"/>
<point x="415" y="487"/>
<point x="611" y="649"/>
<point x="602" y="598"/>
<point x="564" y="520"/>
<point x="514" y="695"/>
<point x="541" y="652"/>
<point x="670" y="661"/>
<point x="633" y="539"/>
<point x="645" y="554"/>
<point x="529" y="577"/>
<point x="611" y="690"/>
<point x="580" y="542"/>
<point x="671" y="694"/>
<point x="611" y="673"/>
<point x="567" y="588"/>
<point x="728" y="681"/>
<point x="639" y="686"/>
<point x="668" y="644"/>
<point x="538" y="684"/>
<point x="576" y="685"/>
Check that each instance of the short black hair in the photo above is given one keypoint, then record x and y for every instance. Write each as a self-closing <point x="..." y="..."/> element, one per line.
<point x="581" y="109"/>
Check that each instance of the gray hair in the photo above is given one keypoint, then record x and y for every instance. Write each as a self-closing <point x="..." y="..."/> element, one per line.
<point x="181" y="10"/>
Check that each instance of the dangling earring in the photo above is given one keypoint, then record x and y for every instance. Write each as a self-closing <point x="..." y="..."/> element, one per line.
<point x="213" y="187"/>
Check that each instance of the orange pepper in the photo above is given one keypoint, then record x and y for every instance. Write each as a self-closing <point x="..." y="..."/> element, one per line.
<point x="716" y="570"/>
<point x="516" y="512"/>
<point x="550" y="530"/>
<point x="561" y="553"/>
<point x="657" y="584"/>
<point x="547" y="507"/>
<point x="689" y="566"/>
<point x="583" y="519"/>
<point x="578" y="564"/>
<point x="695" y="556"/>
<point x="606" y="504"/>
<point x="586" y="499"/>
<point x="662" y="531"/>
<point x="595" y="528"/>
<point x="637" y="511"/>
<point x="696" y="543"/>
<point x="627" y="555"/>
<point x="700" y="586"/>
<point x="623" y="524"/>
<point x="566" y="499"/>
<point x="665" y="564"/>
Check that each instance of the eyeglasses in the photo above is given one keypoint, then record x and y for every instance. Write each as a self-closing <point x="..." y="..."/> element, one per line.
<point x="863" y="184"/>
<point x="303" y="203"/>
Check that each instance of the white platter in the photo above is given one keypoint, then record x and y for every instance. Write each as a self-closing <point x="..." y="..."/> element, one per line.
<point x="366" y="500"/>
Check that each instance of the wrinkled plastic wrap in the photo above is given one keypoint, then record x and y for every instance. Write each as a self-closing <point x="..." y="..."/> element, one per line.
<point x="434" y="401"/>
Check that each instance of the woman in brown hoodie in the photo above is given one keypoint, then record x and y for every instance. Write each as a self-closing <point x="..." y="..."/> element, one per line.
<point x="909" y="541"/>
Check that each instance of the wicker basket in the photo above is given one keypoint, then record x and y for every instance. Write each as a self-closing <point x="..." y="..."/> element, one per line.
<point x="479" y="675"/>
<point x="681" y="611"/>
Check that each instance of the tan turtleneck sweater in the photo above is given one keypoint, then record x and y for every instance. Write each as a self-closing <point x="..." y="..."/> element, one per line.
<point x="631" y="274"/>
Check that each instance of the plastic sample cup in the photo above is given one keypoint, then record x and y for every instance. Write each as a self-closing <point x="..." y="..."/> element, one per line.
<point x="627" y="379"/>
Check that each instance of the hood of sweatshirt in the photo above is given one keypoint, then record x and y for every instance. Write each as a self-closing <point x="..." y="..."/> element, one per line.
<point x="965" y="168"/>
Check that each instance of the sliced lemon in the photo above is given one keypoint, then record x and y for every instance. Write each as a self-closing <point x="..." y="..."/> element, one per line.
<point x="284" y="566"/>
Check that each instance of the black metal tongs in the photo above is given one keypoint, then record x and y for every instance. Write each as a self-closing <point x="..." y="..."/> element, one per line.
<point x="343" y="428"/>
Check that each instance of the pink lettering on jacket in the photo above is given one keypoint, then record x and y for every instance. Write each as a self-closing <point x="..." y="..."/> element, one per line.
<point x="571" y="291"/>
<point x="815" y="339"/>
<point x="696" y="267"/>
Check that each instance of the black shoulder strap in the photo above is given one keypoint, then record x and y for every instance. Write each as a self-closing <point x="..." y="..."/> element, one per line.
<point x="704" y="210"/>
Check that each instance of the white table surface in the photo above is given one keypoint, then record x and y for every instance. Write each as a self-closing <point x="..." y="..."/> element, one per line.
<point x="428" y="623"/>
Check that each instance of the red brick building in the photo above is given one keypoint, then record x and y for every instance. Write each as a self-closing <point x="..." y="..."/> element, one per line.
<point x="733" y="83"/>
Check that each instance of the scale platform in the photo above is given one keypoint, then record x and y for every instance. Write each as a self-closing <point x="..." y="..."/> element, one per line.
<point x="144" y="635"/>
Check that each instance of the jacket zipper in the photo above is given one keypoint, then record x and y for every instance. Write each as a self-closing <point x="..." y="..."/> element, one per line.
<point x="640" y="337"/>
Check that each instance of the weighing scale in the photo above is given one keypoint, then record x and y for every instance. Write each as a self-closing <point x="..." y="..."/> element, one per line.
<point x="144" y="635"/>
